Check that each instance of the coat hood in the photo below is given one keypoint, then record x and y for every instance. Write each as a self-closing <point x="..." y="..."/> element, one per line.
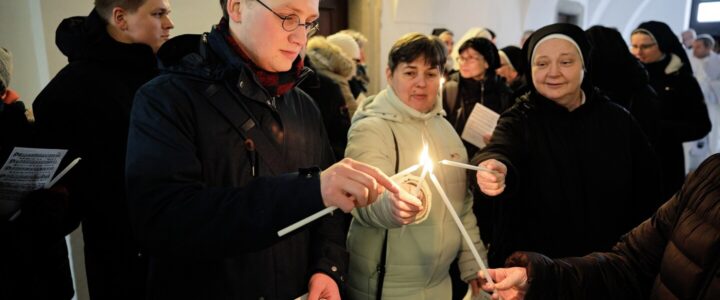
<point x="386" y="105"/>
<point x="329" y="58"/>
<point x="86" y="38"/>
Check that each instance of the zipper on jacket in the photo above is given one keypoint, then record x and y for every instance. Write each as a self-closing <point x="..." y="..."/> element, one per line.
<point x="252" y="157"/>
<point x="272" y="103"/>
<point x="482" y="92"/>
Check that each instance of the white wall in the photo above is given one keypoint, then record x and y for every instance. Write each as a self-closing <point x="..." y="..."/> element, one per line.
<point x="21" y="33"/>
<point x="509" y="18"/>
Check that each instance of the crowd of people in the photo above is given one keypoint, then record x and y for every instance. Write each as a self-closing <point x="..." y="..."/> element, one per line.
<point x="197" y="150"/>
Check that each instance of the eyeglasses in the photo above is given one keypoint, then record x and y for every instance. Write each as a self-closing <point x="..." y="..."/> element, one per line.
<point x="292" y="22"/>
<point x="461" y="59"/>
<point x="644" y="46"/>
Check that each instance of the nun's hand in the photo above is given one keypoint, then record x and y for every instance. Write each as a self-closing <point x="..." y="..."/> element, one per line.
<point x="492" y="183"/>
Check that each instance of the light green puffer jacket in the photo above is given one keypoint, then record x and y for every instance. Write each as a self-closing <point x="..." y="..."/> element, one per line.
<point x="419" y="259"/>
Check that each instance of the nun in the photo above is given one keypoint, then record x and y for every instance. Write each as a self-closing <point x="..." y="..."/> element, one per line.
<point x="683" y="114"/>
<point x="565" y="159"/>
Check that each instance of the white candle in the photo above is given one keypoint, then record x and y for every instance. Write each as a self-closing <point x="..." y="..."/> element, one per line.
<point x="62" y="173"/>
<point x="466" y="166"/>
<point x="309" y="219"/>
<point x="407" y="171"/>
<point x="330" y="209"/>
<point x="427" y="166"/>
<point x="460" y="226"/>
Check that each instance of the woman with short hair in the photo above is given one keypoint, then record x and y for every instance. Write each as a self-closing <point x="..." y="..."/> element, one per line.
<point x="389" y="131"/>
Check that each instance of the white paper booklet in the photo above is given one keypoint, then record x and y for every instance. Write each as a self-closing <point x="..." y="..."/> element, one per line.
<point x="481" y="122"/>
<point x="26" y="170"/>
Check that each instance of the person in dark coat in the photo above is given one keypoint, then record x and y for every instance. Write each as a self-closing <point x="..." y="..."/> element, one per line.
<point x="224" y="151"/>
<point x="33" y="256"/>
<point x="673" y="255"/>
<point x="476" y="82"/>
<point x="512" y="69"/>
<point x="683" y="114"/>
<point x="570" y="157"/>
<point x="328" y="97"/>
<point x="86" y="109"/>
<point x="618" y="74"/>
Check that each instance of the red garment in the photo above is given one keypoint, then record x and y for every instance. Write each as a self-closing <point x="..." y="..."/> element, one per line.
<point x="10" y="96"/>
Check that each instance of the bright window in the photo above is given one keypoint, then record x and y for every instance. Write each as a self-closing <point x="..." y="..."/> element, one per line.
<point x="708" y="12"/>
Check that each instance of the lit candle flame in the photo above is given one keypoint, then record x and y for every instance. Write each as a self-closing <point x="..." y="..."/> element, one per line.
<point x="425" y="160"/>
<point x="427" y="165"/>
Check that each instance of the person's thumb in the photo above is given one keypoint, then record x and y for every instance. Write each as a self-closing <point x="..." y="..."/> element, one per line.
<point x="314" y="293"/>
<point x="504" y="284"/>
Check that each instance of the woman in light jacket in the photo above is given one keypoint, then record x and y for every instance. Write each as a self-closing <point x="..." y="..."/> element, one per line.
<point x="389" y="131"/>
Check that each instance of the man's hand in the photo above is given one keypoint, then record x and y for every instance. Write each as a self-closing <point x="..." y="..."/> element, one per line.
<point x="323" y="287"/>
<point x="349" y="184"/>
<point x="510" y="283"/>
<point x="405" y="206"/>
<point x="45" y="212"/>
<point x="492" y="183"/>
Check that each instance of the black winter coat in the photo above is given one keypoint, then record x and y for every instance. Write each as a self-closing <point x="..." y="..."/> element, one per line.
<point x="495" y="95"/>
<point x="568" y="174"/>
<point x="33" y="257"/>
<point x="673" y="255"/>
<point x="683" y="118"/>
<point x="86" y="109"/>
<point x="209" y="225"/>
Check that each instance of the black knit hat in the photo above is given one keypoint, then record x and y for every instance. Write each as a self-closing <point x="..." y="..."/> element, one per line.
<point x="486" y="48"/>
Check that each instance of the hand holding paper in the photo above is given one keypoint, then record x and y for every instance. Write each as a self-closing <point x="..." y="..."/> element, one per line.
<point x="480" y="125"/>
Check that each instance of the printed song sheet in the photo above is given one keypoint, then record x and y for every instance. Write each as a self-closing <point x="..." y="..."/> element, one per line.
<point x="481" y="122"/>
<point x="27" y="169"/>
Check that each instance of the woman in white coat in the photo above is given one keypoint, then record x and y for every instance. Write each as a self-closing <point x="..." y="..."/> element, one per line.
<point x="389" y="131"/>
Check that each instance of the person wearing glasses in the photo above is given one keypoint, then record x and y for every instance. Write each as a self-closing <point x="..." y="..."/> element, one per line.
<point x="683" y="114"/>
<point x="224" y="151"/>
<point x="476" y="82"/>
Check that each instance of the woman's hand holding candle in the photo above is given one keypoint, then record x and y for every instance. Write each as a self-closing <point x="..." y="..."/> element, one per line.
<point x="406" y="206"/>
<point x="492" y="183"/>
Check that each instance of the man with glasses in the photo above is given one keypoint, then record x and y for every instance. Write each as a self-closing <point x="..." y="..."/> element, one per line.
<point x="214" y="149"/>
